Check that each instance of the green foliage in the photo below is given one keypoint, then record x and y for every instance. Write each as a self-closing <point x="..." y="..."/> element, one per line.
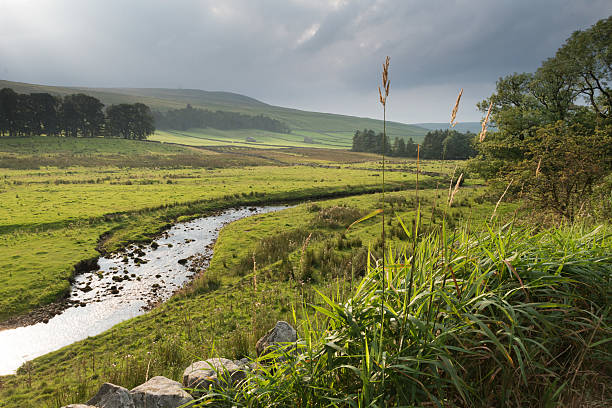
<point x="438" y="144"/>
<point x="73" y="115"/>
<point x="447" y="144"/>
<point x="554" y="126"/>
<point x="129" y="121"/>
<point x="502" y="318"/>
<point x="183" y="119"/>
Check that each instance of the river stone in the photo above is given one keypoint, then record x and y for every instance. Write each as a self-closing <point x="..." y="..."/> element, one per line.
<point x="202" y="374"/>
<point x="160" y="392"/>
<point x="112" y="396"/>
<point x="281" y="333"/>
<point x="78" y="406"/>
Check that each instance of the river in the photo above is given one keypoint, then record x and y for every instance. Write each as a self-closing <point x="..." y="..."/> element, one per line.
<point x="125" y="285"/>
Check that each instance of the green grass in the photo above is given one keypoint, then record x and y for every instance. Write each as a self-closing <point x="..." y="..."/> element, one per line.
<point x="195" y="321"/>
<point x="60" y="152"/>
<point x="85" y="146"/>
<point x="35" y="198"/>
<point x="47" y="206"/>
<point x="36" y="266"/>
<point x="504" y="317"/>
<point x="263" y="139"/>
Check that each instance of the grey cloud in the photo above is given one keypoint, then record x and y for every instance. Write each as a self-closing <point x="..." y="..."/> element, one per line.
<point x="253" y="47"/>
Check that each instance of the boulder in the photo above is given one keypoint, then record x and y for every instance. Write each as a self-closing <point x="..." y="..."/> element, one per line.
<point x="78" y="406"/>
<point x="160" y="392"/>
<point x="112" y="396"/>
<point x="202" y="374"/>
<point x="281" y="333"/>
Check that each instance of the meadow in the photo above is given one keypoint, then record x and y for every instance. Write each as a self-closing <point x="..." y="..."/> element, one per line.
<point x="228" y="308"/>
<point x="306" y="265"/>
<point x="52" y="218"/>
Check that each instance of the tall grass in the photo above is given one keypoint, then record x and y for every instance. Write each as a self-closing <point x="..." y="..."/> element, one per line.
<point x="504" y="318"/>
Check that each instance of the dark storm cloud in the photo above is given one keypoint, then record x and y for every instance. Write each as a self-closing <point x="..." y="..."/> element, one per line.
<point x="311" y="54"/>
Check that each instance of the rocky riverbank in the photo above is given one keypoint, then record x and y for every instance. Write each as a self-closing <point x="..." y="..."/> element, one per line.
<point x="199" y="379"/>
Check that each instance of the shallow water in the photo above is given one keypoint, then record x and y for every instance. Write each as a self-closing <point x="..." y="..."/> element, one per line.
<point x="124" y="286"/>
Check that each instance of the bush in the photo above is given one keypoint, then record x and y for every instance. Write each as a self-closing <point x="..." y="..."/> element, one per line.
<point x="505" y="318"/>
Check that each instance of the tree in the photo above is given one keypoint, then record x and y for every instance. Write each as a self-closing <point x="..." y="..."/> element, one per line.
<point x="70" y="116"/>
<point x="143" y="121"/>
<point x="563" y="165"/>
<point x="8" y="111"/>
<point x="45" y="110"/>
<point x="411" y="148"/>
<point x="399" y="148"/>
<point x="458" y="146"/>
<point x="556" y="120"/>
<point x="130" y="121"/>
<point x="432" y="147"/>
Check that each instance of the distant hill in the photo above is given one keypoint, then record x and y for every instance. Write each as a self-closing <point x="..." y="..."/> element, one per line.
<point x="462" y="127"/>
<point x="312" y="129"/>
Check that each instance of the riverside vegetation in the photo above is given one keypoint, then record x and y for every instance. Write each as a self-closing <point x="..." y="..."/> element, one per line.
<point x="457" y="298"/>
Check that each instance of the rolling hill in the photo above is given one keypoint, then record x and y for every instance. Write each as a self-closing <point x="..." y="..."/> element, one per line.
<point x="312" y="129"/>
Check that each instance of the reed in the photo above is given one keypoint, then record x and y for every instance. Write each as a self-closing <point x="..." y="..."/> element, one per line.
<point x="483" y="132"/>
<point x="512" y="330"/>
<point x="455" y="109"/>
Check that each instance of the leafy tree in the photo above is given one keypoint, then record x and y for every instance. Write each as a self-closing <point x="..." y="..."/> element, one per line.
<point x="432" y="144"/>
<point x="563" y="164"/>
<point x="130" y="121"/>
<point x="368" y="141"/>
<point x="556" y="120"/>
<point x="8" y="111"/>
<point x="91" y="117"/>
<point x="411" y="148"/>
<point x="458" y="146"/>
<point x="190" y="117"/>
<point x="399" y="147"/>
<point x="70" y="117"/>
<point x="45" y="113"/>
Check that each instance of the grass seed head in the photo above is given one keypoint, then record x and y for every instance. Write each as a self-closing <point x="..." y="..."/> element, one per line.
<point x="385" y="82"/>
<point x="452" y="197"/>
<point x="483" y="132"/>
<point x="455" y="108"/>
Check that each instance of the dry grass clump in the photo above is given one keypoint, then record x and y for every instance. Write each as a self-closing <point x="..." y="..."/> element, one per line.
<point x="337" y="216"/>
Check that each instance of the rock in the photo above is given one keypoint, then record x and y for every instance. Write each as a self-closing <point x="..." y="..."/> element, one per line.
<point x="281" y="333"/>
<point x="202" y="374"/>
<point x="182" y="261"/>
<point x="112" y="396"/>
<point x="86" y="288"/>
<point x="160" y="392"/>
<point x="78" y="406"/>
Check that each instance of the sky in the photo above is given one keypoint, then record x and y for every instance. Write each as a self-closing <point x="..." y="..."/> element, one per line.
<point x="319" y="55"/>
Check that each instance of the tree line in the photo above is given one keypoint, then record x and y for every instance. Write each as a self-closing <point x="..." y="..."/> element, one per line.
<point x="438" y="144"/>
<point x="190" y="117"/>
<point x="553" y="146"/>
<point x="75" y="115"/>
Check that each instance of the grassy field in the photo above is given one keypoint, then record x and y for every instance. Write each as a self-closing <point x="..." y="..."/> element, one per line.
<point x="233" y="316"/>
<point x="259" y="138"/>
<point x="51" y="218"/>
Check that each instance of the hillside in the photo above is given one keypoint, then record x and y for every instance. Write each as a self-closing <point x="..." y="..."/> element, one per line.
<point x="462" y="127"/>
<point x="313" y="129"/>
